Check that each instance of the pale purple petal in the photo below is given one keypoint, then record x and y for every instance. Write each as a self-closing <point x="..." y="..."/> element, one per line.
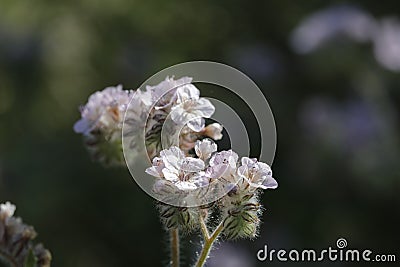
<point x="205" y="148"/>
<point x="203" y="107"/>
<point x="269" y="183"/>
<point x="191" y="164"/>
<point x="187" y="92"/>
<point x="196" y="124"/>
<point x="153" y="171"/>
<point x="171" y="157"/>
<point x="82" y="126"/>
<point x="170" y="174"/>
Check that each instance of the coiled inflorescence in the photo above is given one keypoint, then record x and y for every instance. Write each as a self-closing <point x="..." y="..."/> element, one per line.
<point x="16" y="246"/>
<point x="214" y="172"/>
<point x="101" y="124"/>
<point x="174" y="106"/>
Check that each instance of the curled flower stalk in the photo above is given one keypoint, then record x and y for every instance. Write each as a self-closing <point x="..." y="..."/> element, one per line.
<point x="16" y="241"/>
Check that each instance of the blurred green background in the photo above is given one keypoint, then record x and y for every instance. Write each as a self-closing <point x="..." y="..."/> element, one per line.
<point x="330" y="72"/>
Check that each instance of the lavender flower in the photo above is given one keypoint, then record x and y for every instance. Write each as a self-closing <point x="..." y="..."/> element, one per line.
<point x="191" y="108"/>
<point x="205" y="148"/>
<point x="104" y="111"/>
<point x="163" y="94"/>
<point x="148" y="112"/>
<point x="16" y="241"/>
<point x="257" y="174"/>
<point x="101" y="124"/>
<point x="186" y="173"/>
<point x="212" y="171"/>
<point x="223" y="164"/>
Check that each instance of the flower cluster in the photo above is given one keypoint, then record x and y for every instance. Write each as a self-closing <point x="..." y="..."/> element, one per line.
<point x="174" y="106"/>
<point x="210" y="174"/>
<point x="16" y="247"/>
<point x="196" y="186"/>
<point x="101" y="124"/>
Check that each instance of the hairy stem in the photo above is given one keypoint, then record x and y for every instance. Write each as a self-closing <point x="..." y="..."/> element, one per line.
<point x="208" y="243"/>
<point x="203" y="228"/>
<point x="174" y="243"/>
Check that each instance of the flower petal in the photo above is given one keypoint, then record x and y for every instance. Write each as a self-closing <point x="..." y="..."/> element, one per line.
<point x="214" y="131"/>
<point x="269" y="183"/>
<point x="82" y="126"/>
<point x="171" y="157"/>
<point x="205" y="148"/>
<point x="170" y="174"/>
<point x="153" y="171"/>
<point x="187" y="92"/>
<point x="196" y="124"/>
<point x="183" y="185"/>
<point x="190" y="164"/>
<point x="248" y="161"/>
<point x="203" y="107"/>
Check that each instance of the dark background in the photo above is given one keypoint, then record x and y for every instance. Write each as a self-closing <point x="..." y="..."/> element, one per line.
<point x="336" y="110"/>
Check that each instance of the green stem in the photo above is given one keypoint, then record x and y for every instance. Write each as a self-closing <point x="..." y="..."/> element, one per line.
<point x="208" y="242"/>
<point x="204" y="229"/>
<point x="174" y="242"/>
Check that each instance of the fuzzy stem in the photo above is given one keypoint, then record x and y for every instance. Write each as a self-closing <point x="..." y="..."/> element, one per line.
<point x="204" y="229"/>
<point x="208" y="242"/>
<point x="174" y="242"/>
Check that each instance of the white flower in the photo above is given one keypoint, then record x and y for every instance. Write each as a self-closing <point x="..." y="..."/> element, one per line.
<point x="7" y="210"/>
<point x="257" y="174"/>
<point x="222" y="164"/>
<point x="104" y="110"/>
<point x="163" y="93"/>
<point x="186" y="173"/>
<point x="191" y="108"/>
<point x="193" y="181"/>
<point x="172" y="157"/>
<point x="177" y="165"/>
<point x="213" y="131"/>
<point x="205" y="148"/>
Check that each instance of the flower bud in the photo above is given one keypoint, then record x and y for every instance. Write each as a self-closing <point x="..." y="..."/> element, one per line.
<point x="213" y="131"/>
<point x="182" y="218"/>
<point x="241" y="213"/>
